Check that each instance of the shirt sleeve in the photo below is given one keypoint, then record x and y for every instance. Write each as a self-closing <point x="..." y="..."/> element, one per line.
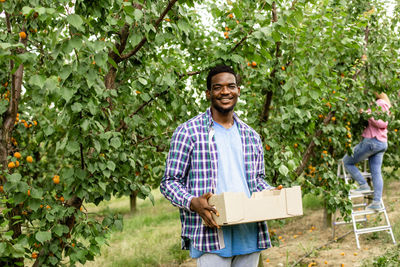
<point x="173" y="183"/>
<point x="378" y="123"/>
<point x="261" y="183"/>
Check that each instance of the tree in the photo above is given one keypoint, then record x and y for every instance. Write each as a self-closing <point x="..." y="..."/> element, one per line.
<point x="92" y="90"/>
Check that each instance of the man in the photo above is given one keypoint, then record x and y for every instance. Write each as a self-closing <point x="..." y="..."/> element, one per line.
<point x="212" y="153"/>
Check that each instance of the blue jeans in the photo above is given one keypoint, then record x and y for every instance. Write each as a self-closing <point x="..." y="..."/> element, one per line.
<point x="373" y="149"/>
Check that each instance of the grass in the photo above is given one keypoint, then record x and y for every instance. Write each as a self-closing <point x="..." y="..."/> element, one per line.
<point x="149" y="238"/>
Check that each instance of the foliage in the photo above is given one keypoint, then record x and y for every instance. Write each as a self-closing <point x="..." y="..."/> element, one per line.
<point x="103" y="84"/>
<point x="390" y="259"/>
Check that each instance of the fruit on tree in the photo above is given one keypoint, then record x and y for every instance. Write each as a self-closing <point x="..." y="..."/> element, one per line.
<point x="22" y="35"/>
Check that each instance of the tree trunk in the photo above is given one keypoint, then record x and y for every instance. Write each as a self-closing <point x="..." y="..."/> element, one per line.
<point x="327" y="218"/>
<point x="133" y="198"/>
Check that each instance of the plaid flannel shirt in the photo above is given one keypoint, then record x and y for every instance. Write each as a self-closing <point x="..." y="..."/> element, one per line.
<point x="191" y="171"/>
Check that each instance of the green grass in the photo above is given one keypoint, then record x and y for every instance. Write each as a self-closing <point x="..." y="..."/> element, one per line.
<point x="312" y="202"/>
<point x="150" y="237"/>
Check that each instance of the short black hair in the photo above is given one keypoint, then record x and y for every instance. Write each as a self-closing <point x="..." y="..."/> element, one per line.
<point x="219" y="69"/>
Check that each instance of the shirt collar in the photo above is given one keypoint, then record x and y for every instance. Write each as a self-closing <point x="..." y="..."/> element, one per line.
<point x="210" y="121"/>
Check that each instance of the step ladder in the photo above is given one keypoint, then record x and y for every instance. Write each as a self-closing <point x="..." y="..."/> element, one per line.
<point x="359" y="212"/>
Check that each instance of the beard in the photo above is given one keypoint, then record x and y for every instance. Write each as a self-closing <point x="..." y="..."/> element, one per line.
<point x="223" y="110"/>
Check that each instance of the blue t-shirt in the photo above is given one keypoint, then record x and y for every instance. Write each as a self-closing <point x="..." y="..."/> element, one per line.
<point x="241" y="238"/>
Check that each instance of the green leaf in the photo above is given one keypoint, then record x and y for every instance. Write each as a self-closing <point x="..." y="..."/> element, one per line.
<point x="283" y="170"/>
<point x="112" y="62"/>
<point x="14" y="178"/>
<point x="76" y="107"/>
<point x="111" y="165"/>
<point x="76" y="42"/>
<point x="60" y="229"/>
<point x="115" y="142"/>
<point x="3" y="106"/>
<point x="27" y="10"/>
<point x="67" y="93"/>
<point x="43" y="236"/>
<point x="76" y="21"/>
<point x="49" y="130"/>
<point x="73" y="147"/>
<point x="138" y="14"/>
<point x="142" y="81"/>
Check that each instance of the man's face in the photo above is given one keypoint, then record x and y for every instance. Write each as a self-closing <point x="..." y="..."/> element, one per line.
<point x="224" y="92"/>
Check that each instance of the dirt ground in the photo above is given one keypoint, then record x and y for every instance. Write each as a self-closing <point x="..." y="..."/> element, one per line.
<point x="306" y="233"/>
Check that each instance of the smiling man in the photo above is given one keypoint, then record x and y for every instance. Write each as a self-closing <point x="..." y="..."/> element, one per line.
<point x="212" y="153"/>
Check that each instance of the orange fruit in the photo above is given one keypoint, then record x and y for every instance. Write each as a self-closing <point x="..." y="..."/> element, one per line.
<point x="81" y="208"/>
<point x="267" y="147"/>
<point x="267" y="260"/>
<point x="296" y="145"/>
<point x="29" y="159"/>
<point x="73" y="245"/>
<point x="395" y="130"/>
<point x="237" y="22"/>
<point x="254" y="63"/>
<point x="248" y="64"/>
<point x="138" y="92"/>
<point x="320" y="116"/>
<point x="168" y="20"/>
<point x="22" y="35"/>
<point x="56" y="179"/>
<point x="48" y="207"/>
<point x="62" y="199"/>
<point x="11" y="165"/>
<point x="226" y="36"/>
<point x="333" y="118"/>
<point x="1" y="189"/>
<point x="94" y="62"/>
<point x="333" y="91"/>
<point x="283" y="68"/>
<point x="35" y="123"/>
<point x="16" y="163"/>
<point x="230" y="16"/>
<point x="34" y="255"/>
<point x="17" y="155"/>
<point x="41" y="205"/>
<point x="279" y="187"/>
<point x="29" y="192"/>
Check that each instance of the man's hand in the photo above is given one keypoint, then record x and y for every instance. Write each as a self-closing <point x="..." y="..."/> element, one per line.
<point x="201" y="207"/>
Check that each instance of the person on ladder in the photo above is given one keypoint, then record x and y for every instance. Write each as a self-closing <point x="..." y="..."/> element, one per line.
<point x="373" y="146"/>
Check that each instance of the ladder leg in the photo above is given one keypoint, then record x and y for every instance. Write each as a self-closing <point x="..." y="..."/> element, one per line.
<point x="355" y="230"/>
<point x="387" y="221"/>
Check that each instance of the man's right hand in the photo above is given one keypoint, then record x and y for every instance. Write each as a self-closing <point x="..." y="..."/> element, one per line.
<point x="200" y="206"/>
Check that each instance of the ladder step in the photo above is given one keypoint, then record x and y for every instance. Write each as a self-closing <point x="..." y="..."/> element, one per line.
<point x="344" y="222"/>
<point x="373" y="229"/>
<point x="359" y="205"/>
<point x="365" y="212"/>
<point x="363" y="194"/>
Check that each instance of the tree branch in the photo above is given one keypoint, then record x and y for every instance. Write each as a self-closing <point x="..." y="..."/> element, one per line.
<point x="310" y="148"/>
<point x="144" y="40"/>
<point x="123" y="125"/>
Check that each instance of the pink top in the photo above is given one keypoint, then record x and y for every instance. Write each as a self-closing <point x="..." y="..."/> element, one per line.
<point x="377" y="128"/>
